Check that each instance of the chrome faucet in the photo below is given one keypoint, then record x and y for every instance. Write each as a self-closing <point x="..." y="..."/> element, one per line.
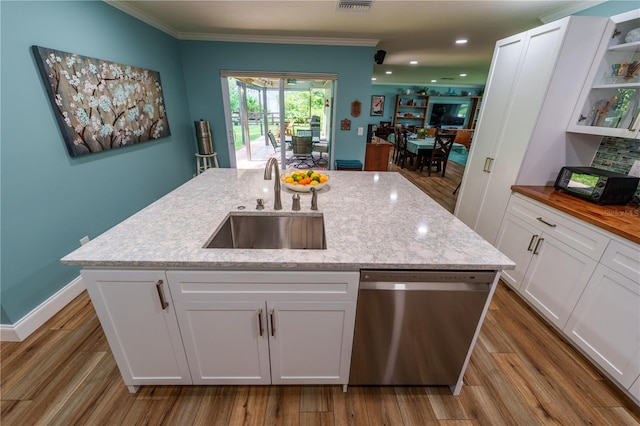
<point x="314" y="198"/>
<point x="272" y="164"/>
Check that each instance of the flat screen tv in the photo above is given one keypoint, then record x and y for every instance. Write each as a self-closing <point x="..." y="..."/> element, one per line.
<point x="446" y="115"/>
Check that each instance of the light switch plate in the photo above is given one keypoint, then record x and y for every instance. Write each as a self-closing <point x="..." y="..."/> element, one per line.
<point x="635" y="169"/>
<point x="360" y="131"/>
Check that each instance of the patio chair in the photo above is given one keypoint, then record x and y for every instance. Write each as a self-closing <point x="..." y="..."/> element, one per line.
<point x="302" y="152"/>
<point x="274" y="143"/>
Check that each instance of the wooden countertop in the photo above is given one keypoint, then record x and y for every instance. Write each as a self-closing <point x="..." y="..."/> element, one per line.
<point x="620" y="220"/>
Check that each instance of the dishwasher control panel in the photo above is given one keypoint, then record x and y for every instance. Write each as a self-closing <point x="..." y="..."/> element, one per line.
<point x="427" y="276"/>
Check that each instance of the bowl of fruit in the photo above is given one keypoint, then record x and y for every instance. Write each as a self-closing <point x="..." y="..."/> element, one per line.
<point x="303" y="181"/>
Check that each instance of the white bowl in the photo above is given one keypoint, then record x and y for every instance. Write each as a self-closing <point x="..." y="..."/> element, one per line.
<point x="302" y="188"/>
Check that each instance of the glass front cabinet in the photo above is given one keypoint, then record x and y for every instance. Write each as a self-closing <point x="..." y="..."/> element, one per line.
<point x="609" y="104"/>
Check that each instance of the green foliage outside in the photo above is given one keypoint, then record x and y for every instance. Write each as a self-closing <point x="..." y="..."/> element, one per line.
<point x="300" y="106"/>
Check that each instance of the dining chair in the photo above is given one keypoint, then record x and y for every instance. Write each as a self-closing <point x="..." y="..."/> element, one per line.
<point x="463" y="137"/>
<point x="403" y="153"/>
<point x="439" y="155"/>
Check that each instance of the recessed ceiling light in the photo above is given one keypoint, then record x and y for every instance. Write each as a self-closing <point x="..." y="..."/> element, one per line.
<point x="433" y="81"/>
<point x="389" y="72"/>
<point x="413" y="62"/>
<point x="463" y="75"/>
<point x="461" y="41"/>
<point x="373" y="79"/>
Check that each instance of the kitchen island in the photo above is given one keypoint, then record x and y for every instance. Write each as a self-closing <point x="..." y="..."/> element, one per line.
<point x="175" y="312"/>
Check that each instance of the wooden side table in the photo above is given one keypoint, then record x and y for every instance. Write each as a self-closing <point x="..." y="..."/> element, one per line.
<point x="203" y="162"/>
<point x="377" y="156"/>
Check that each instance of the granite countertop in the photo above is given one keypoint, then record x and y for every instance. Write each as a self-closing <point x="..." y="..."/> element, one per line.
<point x="623" y="221"/>
<point x="372" y="220"/>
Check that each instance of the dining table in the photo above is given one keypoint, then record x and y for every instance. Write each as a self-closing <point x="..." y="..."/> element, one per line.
<point x="415" y="145"/>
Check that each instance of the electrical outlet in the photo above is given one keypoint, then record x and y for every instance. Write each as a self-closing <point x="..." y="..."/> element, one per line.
<point x="360" y="131"/>
<point x="84" y="240"/>
<point x="635" y="169"/>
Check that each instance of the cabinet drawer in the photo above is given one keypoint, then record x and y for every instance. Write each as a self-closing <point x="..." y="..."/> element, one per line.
<point x="624" y="259"/>
<point x="563" y="227"/>
<point x="202" y="286"/>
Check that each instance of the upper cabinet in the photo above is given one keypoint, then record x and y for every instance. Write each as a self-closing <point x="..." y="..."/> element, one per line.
<point x="609" y="104"/>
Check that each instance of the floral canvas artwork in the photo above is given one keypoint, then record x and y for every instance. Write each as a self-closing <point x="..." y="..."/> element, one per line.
<point x="102" y="105"/>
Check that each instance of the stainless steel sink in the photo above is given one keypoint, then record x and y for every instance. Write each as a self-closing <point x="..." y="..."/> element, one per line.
<point x="243" y="231"/>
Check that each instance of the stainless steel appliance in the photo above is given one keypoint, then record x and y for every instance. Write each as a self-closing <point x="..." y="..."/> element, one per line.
<point x="597" y="185"/>
<point x="416" y="327"/>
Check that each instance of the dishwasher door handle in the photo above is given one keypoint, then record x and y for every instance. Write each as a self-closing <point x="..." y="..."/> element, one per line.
<point x="424" y="286"/>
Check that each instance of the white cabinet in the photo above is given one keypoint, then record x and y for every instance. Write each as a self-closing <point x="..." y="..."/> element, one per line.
<point x="139" y="321"/>
<point x="549" y="274"/>
<point x="634" y="390"/>
<point x="583" y="280"/>
<point x="606" y="324"/>
<point x="534" y="82"/>
<point x="266" y="327"/>
<point x="610" y="101"/>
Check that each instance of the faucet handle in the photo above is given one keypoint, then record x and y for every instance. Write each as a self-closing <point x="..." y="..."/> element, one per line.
<point x="296" y="202"/>
<point x="260" y="205"/>
<point x="314" y="198"/>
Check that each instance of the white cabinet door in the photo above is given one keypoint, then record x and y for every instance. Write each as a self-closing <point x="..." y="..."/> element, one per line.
<point x="310" y="342"/>
<point x="537" y="65"/>
<point x="606" y="324"/>
<point x="502" y="74"/>
<point x="517" y="240"/>
<point x="556" y="278"/>
<point x="226" y="342"/>
<point x="139" y="321"/>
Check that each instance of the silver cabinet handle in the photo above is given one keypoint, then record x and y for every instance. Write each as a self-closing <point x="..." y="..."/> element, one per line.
<point x="535" y="250"/>
<point x="553" y="225"/>
<point x="533" y="239"/>
<point x="487" y="164"/>
<point x="163" y="301"/>
<point x="260" y="327"/>
<point x="273" y="324"/>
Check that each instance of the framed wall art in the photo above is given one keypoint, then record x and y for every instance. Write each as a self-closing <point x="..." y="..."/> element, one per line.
<point x="101" y="105"/>
<point x="377" y="106"/>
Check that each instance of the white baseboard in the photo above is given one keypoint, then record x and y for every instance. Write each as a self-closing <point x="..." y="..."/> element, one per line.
<point x="42" y="313"/>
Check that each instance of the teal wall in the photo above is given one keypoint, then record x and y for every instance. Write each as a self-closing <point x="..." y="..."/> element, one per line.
<point x="610" y="8"/>
<point x="203" y="61"/>
<point x="390" y="91"/>
<point x="49" y="199"/>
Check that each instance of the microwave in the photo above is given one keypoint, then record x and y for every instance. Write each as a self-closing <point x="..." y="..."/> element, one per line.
<point x="597" y="185"/>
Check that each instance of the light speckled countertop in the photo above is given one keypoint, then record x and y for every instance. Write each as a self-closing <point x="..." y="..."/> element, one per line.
<point x="372" y="220"/>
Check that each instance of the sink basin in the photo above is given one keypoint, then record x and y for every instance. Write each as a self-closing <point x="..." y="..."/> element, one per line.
<point x="243" y="231"/>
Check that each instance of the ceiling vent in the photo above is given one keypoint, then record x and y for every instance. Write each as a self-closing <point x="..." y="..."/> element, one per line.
<point x="356" y="6"/>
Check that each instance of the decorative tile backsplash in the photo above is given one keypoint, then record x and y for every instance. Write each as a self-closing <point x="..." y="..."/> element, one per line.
<point x="617" y="155"/>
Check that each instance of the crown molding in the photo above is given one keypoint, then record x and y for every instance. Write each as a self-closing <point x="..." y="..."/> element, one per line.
<point x="279" y="39"/>
<point x="568" y="10"/>
<point x="132" y="11"/>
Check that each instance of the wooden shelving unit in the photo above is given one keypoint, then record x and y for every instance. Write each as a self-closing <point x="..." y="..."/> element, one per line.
<point x="411" y="110"/>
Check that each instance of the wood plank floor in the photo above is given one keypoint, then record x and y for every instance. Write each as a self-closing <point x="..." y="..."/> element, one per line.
<point x="521" y="373"/>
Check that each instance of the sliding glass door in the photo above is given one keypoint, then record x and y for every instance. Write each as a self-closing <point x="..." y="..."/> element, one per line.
<point x="265" y="112"/>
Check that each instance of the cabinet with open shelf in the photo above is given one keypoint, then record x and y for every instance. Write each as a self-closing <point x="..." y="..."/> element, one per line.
<point x="610" y="101"/>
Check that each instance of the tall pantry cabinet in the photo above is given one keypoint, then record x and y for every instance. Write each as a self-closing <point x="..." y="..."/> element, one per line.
<point x="533" y="84"/>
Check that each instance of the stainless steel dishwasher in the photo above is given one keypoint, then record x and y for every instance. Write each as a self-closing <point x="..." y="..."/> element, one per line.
<point x="416" y="327"/>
